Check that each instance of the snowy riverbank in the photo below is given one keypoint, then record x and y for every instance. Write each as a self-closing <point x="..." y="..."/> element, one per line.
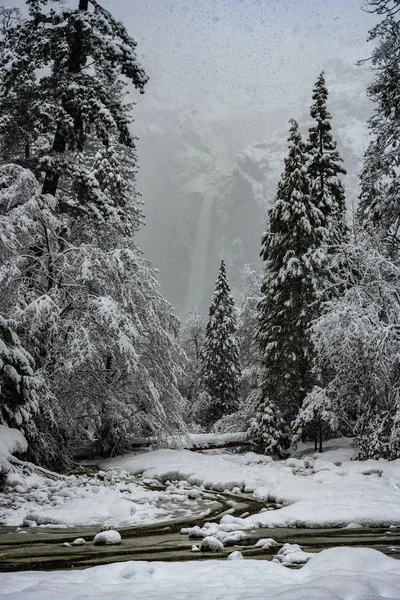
<point x="336" y="574"/>
<point x="327" y="490"/>
<point x="318" y="490"/>
<point x="313" y="490"/>
<point x="107" y="499"/>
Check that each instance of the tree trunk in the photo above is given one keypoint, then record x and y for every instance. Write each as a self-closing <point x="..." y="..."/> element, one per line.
<point x="320" y="435"/>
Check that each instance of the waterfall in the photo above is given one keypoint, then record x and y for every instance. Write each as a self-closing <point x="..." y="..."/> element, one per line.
<point x="198" y="265"/>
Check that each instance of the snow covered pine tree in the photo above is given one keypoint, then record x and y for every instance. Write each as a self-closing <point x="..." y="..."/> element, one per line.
<point x="87" y="306"/>
<point x="294" y="259"/>
<point x="220" y="354"/>
<point x="380" y="182"/>
<point x="325" y="167"/>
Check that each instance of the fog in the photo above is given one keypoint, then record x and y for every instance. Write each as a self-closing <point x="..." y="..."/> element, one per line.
<point x="225" y="77"/>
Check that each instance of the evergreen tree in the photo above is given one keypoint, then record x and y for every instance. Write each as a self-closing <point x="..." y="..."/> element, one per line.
<point x="248" y="352"/>
<point x="25" y="400"/>
<point x="19" y="388"/>
<point x="220" y="354"/>
<point x="356" y="340"/>
<point x="317" y="413"/>
<point x="61" y="102"/>
<point x="379" y="199"/>
<point x="325" y="166"/>
<point x="191" y="337"/>
<point x="294" y="261"/>
<point x="85" y="302"/>
<point x="268" y="429"/>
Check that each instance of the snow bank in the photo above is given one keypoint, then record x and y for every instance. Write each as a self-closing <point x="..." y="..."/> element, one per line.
<point x="109" y="500"/>
<point x="327" y="490"/>
<point x="314" y="490"/>
<point x="335" y="574"/>
<point x="11" y="442"/>
<point x="216" y="471"/>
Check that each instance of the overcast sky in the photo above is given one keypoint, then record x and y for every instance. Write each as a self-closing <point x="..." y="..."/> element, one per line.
<point x="217" y="56"/>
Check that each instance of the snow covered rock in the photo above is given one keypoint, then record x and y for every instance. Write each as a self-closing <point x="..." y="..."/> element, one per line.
<point x="195" y="549"/>
<point x="107" y="538"/>
<point x="230" y="537"/>
<point x="14" y="480"/>
<point x="79" y="542"/>
<point x="193" y="494"/>
<point x="292" y="554"/>
<point x="236" y="555"/>
<point x="266" y="543"/>
<point x="211" y="544"/>
<point x="295" y="463"/>
<point x="324" y="465"/>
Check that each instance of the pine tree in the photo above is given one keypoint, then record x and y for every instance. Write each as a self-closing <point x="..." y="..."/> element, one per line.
<point x="356" y="339"/>
<point x="268" y="429"/>
<point x="19" y="387"/>
<point x="379" y="199"/>
<point x="325" y="167"/>
<point x="61" y="102"/>
<point x="86" y="303"/>
<point x="294" y="261"/>
<point x="220" y="354"/>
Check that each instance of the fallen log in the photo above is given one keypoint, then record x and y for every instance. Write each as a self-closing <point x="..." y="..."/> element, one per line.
<point x="91" y="449"/>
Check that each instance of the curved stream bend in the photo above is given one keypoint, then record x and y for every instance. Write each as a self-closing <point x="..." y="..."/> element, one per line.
<point x="42" y="549"/>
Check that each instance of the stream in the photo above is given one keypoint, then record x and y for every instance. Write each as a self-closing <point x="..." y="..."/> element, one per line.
<point x="42" y="548"/>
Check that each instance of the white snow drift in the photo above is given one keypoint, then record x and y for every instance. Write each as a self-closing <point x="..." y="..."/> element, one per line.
<point x="335" y="574"/>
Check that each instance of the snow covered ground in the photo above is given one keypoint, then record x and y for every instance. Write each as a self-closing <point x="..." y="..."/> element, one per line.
<point x="335" y="574"/>
<point x="313" y="490"/>
<point x="107" y="499"/>
<point x="112" y="501"/>
<point x="327" y="490"/>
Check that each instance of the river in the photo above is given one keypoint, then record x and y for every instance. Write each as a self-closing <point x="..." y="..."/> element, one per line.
<point x="42" y="548"/>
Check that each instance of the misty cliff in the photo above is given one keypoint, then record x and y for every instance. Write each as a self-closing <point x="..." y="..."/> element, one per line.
<point x="206" y="188"/>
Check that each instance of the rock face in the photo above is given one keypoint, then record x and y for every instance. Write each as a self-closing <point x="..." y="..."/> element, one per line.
<point x="207" y="186"/>
<point x="204" y="211"/>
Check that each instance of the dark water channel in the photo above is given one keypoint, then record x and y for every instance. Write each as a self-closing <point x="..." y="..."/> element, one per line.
<point x="42" y="548"/>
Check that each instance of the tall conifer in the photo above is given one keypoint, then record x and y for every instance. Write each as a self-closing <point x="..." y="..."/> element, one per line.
<point x="325" y="166"/>
<point x="85" y="302"/>
<point x="293" y="255"/>
<point x="220" y="354"/>
<point x="380" y="182"/>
